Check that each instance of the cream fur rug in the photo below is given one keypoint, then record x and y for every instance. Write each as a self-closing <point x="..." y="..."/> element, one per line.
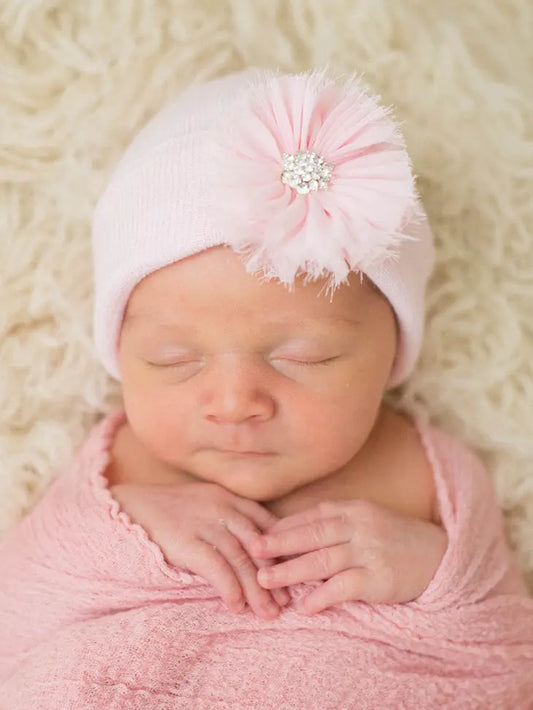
<point x="78" y="78"/>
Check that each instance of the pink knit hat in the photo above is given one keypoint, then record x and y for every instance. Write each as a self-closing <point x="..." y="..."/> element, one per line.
<point x="302" y="174"/>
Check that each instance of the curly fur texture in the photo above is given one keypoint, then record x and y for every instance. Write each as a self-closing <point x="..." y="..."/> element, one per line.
<point x="79" y="78"/>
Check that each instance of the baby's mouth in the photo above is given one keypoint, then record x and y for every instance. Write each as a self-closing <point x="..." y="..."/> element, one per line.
<point x="246" y="454"/>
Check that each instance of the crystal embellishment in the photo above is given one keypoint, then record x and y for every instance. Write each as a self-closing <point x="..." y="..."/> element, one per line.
<point x="305" y="172"/>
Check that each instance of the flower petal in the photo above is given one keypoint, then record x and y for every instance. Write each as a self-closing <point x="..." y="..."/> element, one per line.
<point x="359" y="216"/>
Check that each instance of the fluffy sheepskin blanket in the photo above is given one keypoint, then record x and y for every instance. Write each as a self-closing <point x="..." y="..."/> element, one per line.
<point x="77" y="79"/>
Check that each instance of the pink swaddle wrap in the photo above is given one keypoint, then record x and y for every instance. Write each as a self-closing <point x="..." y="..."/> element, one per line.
<point x="92" y="616"/>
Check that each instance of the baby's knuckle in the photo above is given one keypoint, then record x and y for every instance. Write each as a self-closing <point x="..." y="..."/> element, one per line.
<point x="319" y="532"/>
<point x="322" y="562"/>
<point x="341" y="587"/>
<point x="239" y="559"/>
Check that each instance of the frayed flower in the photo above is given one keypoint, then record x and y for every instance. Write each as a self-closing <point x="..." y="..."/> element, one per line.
<point x="309" y="177"/>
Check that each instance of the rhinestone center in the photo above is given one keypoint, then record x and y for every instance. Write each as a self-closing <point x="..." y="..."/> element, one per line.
<point x="305" y="172"/>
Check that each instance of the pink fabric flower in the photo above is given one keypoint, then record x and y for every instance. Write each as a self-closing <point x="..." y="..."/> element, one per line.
<point x="357" y="219"/>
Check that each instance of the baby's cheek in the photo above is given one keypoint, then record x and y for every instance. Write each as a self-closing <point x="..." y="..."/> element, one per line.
<point x="337" y="432"/>
<point x="157" y="423"/>
<point x="330" y="442"/>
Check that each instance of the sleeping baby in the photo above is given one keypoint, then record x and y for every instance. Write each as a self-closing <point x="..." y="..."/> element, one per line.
<point x="256" y="528"/>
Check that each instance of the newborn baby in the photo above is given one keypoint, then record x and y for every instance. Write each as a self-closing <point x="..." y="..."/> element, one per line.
<point x="275" y="397"/>
<point x="256" y="528"/>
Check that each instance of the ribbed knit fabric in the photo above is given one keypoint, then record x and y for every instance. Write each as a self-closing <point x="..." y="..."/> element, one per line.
<point x="162" y="205"/>
<point x="92" y="616"/>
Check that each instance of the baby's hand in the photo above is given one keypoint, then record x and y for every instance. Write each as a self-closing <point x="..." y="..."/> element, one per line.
<point x="362" y="551"/>
<point x="205" y="528"/>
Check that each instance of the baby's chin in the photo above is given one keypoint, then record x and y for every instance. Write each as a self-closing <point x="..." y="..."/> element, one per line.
<point x="257" y="480"/>
<point x="262" y="491"/>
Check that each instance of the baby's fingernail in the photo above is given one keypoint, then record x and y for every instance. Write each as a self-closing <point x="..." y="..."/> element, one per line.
<point x="265" y="575"/>
<point x="272" y="609"/>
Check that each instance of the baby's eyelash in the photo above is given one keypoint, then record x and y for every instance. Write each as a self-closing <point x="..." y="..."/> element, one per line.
<point x="171" y="364"/>
<point x="182" y="363"/>
<point x="326" y="361"/>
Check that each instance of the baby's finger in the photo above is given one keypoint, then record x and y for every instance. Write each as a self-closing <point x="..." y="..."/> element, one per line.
<point x="245" y="529"/>
<point x="349" y="585"/>
<point x="212" y="565"/>
<point x="317" y="565"/>
<point x="324" y="509"/>
<point x="261" y="516"/>
<point x="259" y="599"/>
<point x="281" y="595"/>
<point x="304" y="538"/>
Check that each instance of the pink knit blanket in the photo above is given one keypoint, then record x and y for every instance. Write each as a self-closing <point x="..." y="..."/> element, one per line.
<point x="92" y="616"/>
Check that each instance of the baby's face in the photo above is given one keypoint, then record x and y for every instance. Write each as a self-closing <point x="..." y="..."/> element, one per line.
<point x="247" y="384"/>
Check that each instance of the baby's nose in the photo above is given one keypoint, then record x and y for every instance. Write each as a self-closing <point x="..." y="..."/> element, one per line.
<point x="235" y="394"/>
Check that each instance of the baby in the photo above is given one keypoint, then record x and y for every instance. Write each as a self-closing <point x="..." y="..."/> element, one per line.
<point x="274" y="394"/>
<point x="257" y="528"/>
<point x="239" y="391"/>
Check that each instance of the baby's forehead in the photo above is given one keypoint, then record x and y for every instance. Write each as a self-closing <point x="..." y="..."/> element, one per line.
<point x="147" y="321"/>
<point x="218" y="277"/>
<point x="214" y="291"/>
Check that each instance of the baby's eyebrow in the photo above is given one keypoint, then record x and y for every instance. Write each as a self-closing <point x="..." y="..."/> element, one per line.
<point x="283" y="321"/>
<point x="313" y="320"/>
